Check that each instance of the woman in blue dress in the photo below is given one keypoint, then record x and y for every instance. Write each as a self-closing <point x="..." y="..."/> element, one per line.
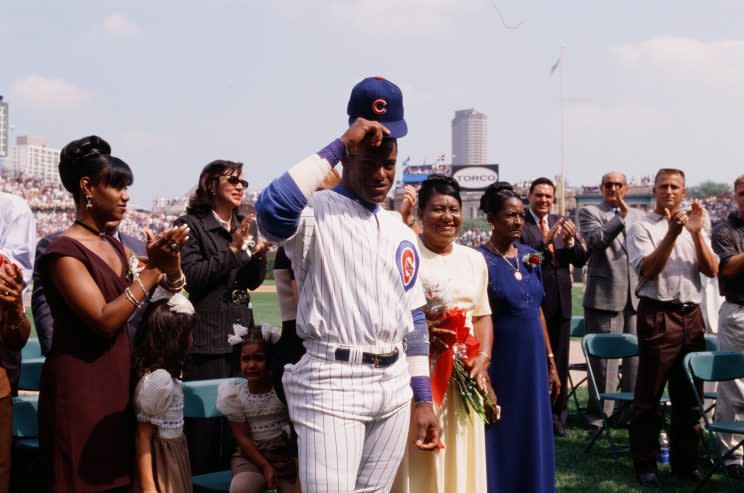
<point x="519" y="447"/>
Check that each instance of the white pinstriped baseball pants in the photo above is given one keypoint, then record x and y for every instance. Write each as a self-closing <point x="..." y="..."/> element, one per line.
<point x="351" y="420"/>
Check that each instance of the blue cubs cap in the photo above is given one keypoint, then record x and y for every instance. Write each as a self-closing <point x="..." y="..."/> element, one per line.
<point x="378" y="99"/>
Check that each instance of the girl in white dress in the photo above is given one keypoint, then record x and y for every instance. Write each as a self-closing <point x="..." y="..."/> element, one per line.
<point x="161" y="344"/>
<point x="259" y="420"/>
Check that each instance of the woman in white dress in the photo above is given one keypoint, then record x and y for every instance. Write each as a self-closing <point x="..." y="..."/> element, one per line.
<point x="459" y="274"/>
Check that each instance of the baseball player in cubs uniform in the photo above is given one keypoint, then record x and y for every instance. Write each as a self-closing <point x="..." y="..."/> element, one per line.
<point x="359" y="312"/>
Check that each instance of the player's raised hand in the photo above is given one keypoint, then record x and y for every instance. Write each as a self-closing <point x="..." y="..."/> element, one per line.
<point x="695" y="218"/>
<point x="427" y="427"/>
<point x="362" y="129"/>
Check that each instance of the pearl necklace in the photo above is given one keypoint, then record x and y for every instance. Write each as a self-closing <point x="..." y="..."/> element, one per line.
<point x="517" y="275"/>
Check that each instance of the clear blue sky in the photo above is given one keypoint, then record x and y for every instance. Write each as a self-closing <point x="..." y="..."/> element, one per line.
<point x="175" y="84"/>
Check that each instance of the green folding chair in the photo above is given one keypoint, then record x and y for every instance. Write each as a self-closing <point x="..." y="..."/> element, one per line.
<point x="25" y="475"/>
<point x="25" y="428"/>
<point x="200" y="401"/>
<point x="578" y="329"/>
<point x="610" y="346"/>
<point x="711" y="344"/>
<point x="32" y="349"/>
<point x="719" y="366"/>
<point x="30" y="373"/>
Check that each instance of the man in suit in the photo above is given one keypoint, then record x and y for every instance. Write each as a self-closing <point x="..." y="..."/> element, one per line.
<point x="610" y="301"/>
<point x="40" y="308"/>
<point x="555" y="237"/>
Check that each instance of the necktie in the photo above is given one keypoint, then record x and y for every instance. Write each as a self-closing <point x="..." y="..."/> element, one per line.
<point x="545" y="230"/>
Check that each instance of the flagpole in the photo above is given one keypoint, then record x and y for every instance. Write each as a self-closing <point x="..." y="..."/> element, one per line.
<point x="563" y="136"/>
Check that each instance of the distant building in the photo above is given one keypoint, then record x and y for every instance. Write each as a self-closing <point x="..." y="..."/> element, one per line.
<point x="3" y="128"/>
<point x="469" y="138"/>
<point x="31" y="157"/>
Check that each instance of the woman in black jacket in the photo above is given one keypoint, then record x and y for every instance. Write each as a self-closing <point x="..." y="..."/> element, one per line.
<point x="222" y="262"/>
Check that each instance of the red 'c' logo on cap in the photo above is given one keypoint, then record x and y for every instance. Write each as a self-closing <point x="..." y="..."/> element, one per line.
<point x="379" y="106"/>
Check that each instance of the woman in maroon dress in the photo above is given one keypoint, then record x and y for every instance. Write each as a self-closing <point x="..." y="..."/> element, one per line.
<point x="86" y="422"/>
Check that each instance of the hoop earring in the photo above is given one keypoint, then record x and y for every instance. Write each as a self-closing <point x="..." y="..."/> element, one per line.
<point x="89" y="203"/>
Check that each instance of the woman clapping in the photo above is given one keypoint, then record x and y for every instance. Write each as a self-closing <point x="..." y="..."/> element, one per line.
<point x="93" y="285"/>
<point x="222" y="262"/>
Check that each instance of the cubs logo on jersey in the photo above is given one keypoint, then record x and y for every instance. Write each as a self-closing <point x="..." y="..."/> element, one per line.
<point x="406" y="258"/>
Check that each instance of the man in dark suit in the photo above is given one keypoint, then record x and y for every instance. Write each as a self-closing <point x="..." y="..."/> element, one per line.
<point x="555" y="237"/>
<point x="40" y="308"/>
<point x="610" y="301"/>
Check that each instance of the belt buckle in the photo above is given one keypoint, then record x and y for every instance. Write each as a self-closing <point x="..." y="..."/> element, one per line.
<point x="239" y="296"/>
<point x="376" y="360"/>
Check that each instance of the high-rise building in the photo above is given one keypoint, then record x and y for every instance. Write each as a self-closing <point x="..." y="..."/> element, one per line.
<point x="469" y="138"/>
<point x="3" y="128"/>
<point x="31" y="157"/>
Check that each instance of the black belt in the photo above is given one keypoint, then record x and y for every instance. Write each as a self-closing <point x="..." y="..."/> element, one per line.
<point x="376" y="360"/>
<point x="676" y="306"/>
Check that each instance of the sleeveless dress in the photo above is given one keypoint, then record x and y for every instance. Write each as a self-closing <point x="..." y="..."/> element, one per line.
<point x="519" y="447"/>
<point x="86" y="421"/>
<point x="158" y="400"/>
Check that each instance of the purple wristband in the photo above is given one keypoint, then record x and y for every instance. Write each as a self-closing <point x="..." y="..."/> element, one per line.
<point x="333" y="152"/>
<point x="421" y="387"/>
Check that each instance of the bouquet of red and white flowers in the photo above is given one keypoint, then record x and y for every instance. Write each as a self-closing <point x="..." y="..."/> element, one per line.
<point x="450" y="363"/>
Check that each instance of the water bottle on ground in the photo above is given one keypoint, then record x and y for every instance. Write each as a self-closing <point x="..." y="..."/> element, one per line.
<point x="662" y="456"/>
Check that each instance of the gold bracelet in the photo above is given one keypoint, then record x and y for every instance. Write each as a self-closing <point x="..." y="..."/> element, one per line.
<point x="550" y="356"/>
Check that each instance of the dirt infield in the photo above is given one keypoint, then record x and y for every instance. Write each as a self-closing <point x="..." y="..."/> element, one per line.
<point x="265" y="289"/>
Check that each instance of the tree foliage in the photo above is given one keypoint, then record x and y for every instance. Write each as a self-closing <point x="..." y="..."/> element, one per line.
<point x="708" y="188"/>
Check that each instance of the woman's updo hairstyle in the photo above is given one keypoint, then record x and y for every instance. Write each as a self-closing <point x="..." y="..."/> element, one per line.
<point x="496" y="195"/>
<point x="442" y="184"/>
<point x="91" y="157"/>
<point x="202" y="201"/>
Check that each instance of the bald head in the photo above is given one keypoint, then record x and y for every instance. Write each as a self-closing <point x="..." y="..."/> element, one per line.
<point x="614" y="188"/>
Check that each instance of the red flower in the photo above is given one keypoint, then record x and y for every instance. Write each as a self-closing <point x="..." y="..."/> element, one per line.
<point x="454" y="321"/>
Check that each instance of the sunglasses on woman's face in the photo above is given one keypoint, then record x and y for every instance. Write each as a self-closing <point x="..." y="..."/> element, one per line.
<point x="234" y="181"/>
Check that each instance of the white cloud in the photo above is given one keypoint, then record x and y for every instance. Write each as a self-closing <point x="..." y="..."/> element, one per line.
<point x="36" y="90"/>
<point x="118" y="26"/>
<point x="715" y="63"/>
<point x="398" y="17"/>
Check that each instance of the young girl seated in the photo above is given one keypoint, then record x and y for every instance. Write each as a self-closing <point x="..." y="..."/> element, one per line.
<point x="160" y="348"/>
<point x="259" y="420"/>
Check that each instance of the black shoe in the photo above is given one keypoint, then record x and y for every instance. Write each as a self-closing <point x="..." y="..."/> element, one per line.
<point x="735" y="471"/>
<point x="650" y="481"/>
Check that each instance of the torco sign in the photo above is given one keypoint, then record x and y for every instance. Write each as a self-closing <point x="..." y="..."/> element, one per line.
<point x="476" y="177"/>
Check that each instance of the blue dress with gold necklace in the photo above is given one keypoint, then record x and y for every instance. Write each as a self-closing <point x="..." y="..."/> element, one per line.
<point x="519" y="447"/>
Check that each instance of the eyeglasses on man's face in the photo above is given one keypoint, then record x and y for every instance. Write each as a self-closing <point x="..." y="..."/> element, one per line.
<point x="613" y="184"/>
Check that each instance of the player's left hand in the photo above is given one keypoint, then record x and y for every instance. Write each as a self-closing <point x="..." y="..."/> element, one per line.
<point x="427" y="427"/>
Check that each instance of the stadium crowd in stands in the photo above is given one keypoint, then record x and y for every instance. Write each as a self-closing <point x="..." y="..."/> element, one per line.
<point x="53" y="208"/>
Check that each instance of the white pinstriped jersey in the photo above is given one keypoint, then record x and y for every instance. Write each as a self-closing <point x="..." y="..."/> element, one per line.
<point x="352" y="267"/>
